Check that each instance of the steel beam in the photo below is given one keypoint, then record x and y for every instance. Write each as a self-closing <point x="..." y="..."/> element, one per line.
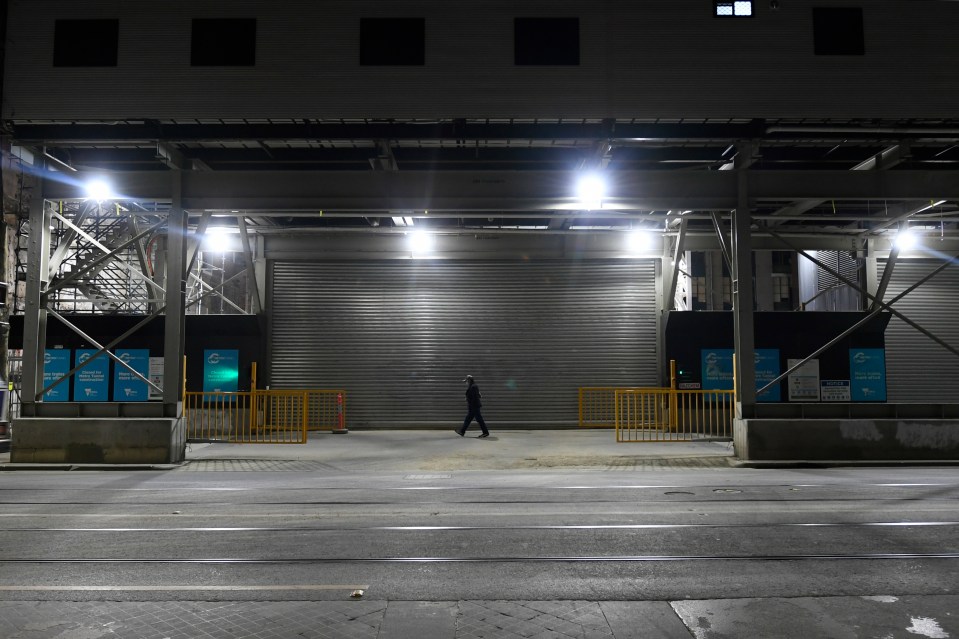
<point x="849" y="331"/>
<point x="66" y="134"/>
<point x="721" y="238"/>
<point x="250" y="266"/>
<point x="672" y="270"/>
<point x="886" y="276"/>
<point x="105" y="350"/>
<point x="111" y="253"/>
<point x="315" y="191"/>
<point x="103" y="259"/>
<point x="868" y="295"/>
<point x="66" y="242"/>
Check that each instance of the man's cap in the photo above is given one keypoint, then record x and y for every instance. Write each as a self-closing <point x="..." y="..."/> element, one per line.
<point x="467" y="378"/>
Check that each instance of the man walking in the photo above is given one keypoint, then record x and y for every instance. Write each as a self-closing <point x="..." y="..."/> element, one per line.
<point x="473" y="404"/>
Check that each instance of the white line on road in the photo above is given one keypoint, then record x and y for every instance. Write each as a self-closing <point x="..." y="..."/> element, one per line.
<point x="186" y="588"/>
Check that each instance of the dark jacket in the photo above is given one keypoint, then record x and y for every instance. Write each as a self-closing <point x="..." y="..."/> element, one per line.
<point x="473" y="396"/>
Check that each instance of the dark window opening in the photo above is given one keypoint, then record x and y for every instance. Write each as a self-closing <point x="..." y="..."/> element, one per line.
<point x="546" y="41"/>
<point x="838" y="31"/>
<point x="223" y="43"/>
<point x="392" y="41"/>
<point x="85" y="43"/>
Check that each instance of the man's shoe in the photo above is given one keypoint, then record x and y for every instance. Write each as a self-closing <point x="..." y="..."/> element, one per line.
<point x="459" y="432"/>
<point x="483" y="435"/>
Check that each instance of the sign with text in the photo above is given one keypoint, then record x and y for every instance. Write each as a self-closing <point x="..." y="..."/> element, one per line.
<point x="127" y="387"/>
<point x="717" y="368"/>
<point x="867" y="372"/>
<point x="221" y="370"/>
<point x="804" y="381"/>
<point x="834" y="390"/>
<point x="56" y="364"/>
<point x="93" y="380"/>
<point x="767" y="369"/>
<point x="156" y="376"/>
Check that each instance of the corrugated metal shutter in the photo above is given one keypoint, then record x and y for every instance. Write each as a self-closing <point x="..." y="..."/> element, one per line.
<point x="399" y="336"/>
<point x="917" y="368"/>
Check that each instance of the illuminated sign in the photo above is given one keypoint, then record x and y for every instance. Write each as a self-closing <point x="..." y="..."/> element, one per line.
<point x="221" y="370"/>
<point x="56" y="364"/>
<point x="93" y="380"/>
<point x="127" y="387"/>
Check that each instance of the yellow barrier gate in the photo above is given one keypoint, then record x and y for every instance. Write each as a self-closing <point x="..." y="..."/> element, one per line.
<point x="262" y="416"/>
<point x="665" y="414"/>
<point x="658" y="414"/>
<point x="597" y="407"/>
<point x="257" y="417"/>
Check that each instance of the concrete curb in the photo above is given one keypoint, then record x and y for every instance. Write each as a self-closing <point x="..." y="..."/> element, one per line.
<point x="63" y="467"/>
<point x="834" y="463"/>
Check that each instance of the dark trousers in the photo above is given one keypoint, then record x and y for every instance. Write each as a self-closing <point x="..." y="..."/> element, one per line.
<point x="474" y="413"/>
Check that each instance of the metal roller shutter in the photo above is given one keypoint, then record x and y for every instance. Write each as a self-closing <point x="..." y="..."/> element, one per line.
<point x="399" y="336"/>
<point x="917" y="368"/>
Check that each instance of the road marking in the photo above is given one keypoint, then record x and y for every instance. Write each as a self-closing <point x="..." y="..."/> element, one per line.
<point x="185" y="588"/>
<point x="327" y="529"/>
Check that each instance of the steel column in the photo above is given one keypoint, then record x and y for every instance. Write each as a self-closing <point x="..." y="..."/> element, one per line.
<point x="742" y="294"/>
<point x="250" y="268"/>
<point x="35" y="312"/>
<point x="764" y="280"/>
<point x="672" y="270"/>
<point x="174" y="328"/>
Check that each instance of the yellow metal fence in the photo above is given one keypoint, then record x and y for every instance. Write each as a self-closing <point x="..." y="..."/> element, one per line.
<point x="262" y="416"/>
<point x="597" y="407"/>
<point x="666" y="414"/>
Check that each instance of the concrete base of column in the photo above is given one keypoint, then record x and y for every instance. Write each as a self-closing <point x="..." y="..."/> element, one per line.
<point x="44" y="440"/>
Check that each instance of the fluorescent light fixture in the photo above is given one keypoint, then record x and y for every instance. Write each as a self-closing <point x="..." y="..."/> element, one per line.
<point x="906" y="240"/>
<point x="639" y="241"/>
<point x="99" y="190"/>
<point x="421" y="242"/>
<point x="590" y="190"/>
<point x="217" y="240"/>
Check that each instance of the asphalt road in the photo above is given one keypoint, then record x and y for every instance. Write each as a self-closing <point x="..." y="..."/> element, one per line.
<point x="696" y="538"/>
<point x="477" y="535"/>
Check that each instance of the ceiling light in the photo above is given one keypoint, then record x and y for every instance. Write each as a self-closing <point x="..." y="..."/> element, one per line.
<point x="590" y="190"/>
<point x="906" y="239"/>
<point x="639" y="241"/>
<point x="99" y="190"/>
<point x="421" y="242"/>
<point x="217" y="240"/>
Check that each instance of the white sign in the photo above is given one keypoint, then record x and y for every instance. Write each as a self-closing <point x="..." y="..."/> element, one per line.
<point x="156" y="376"/>
<point x="804" y="381"/>
<point x="835" y="390"/>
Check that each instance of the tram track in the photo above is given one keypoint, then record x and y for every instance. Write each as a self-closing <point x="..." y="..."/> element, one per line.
<point x="574" y="527"/>
<point x="487" y="560"/>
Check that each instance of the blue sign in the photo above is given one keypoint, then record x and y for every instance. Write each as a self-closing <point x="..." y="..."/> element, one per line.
<point x="56" y="364"/>
<point x="767" y="369"/>
<point x="93" y="380"/>
<point x="867" y="374"/>
<point x="221" y="370"/>
<point x="717" y="368"/>
<point x="127" y="387"/>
